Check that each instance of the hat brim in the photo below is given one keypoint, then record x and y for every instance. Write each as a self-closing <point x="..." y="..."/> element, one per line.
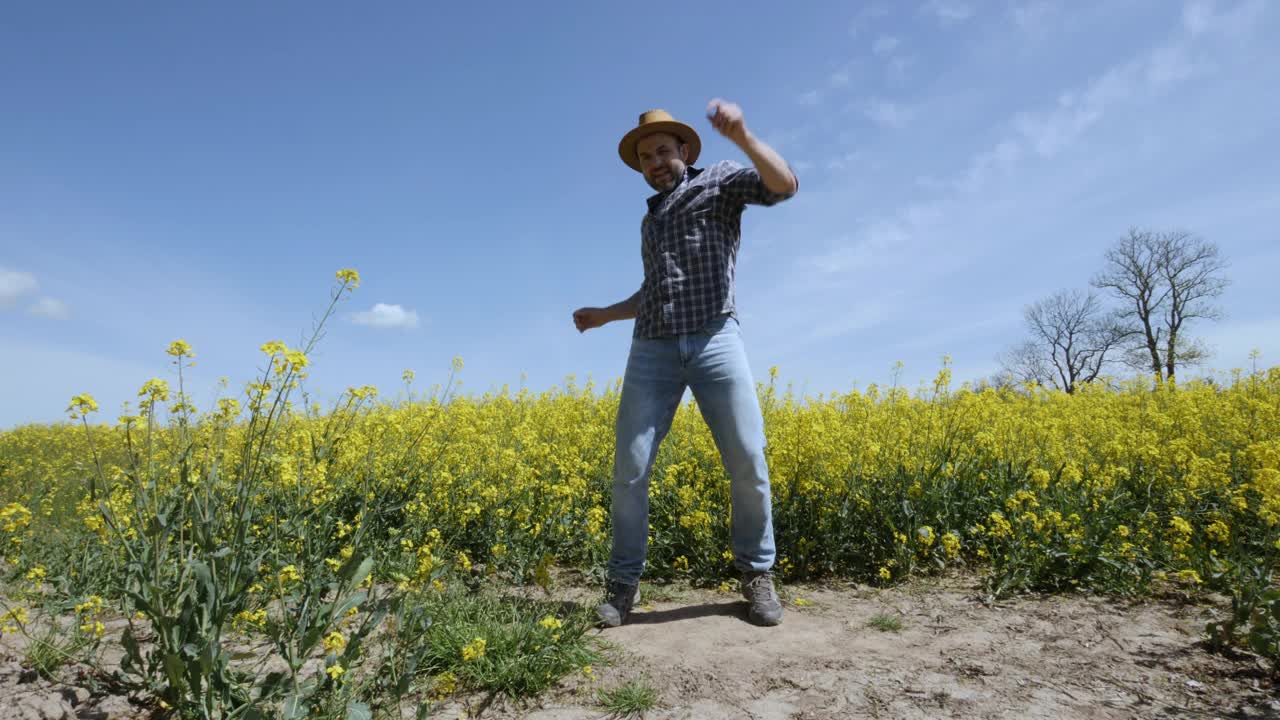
<point x="627" y="147"/>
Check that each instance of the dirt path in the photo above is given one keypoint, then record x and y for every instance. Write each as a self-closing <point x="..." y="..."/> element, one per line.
<point x="1063" y="657"/>
<point x="952" y="657"/>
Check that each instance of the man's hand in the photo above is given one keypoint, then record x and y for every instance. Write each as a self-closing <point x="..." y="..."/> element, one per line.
<point x="726" y="117"/>
<point x="589" y="317"/>
<point x="774" y="171"/>
<point x="593" y="317"/>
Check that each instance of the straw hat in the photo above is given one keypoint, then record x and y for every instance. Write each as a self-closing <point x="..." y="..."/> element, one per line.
<point x="653" y="121"/>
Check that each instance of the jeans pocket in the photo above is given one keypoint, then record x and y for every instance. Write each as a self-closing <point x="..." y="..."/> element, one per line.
<point x="718" y="325"/>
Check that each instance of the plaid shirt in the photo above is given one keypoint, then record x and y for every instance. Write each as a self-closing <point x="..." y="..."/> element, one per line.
<point x="689" y="243"/>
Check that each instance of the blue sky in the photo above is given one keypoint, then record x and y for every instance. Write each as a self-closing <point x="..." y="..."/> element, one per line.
<point x="200" y="171"/>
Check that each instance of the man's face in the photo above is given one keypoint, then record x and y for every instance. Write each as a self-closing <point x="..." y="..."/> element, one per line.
<point x="662" y="158"/>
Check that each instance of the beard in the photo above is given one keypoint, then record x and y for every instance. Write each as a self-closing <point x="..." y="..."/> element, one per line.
<point x="674" y="176"/>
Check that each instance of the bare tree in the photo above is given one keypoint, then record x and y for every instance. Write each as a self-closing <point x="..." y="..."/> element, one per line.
<point x="1078" y="334"/>
<point x="1163" y="280"/>
<point x="1072" y="339"/>
<point x="1025" y="364"/>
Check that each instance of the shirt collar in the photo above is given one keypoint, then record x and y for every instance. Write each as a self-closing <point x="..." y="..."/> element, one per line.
<point x="689" y="174"/>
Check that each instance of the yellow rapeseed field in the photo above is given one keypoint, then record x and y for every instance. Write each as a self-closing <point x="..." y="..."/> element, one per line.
<point x="1129" y="488"/>
<point x="1108" y="487"/>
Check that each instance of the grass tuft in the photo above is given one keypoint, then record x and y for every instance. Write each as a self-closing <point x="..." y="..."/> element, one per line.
<point x="633" y="699"/>
<point x="885" y="622"/>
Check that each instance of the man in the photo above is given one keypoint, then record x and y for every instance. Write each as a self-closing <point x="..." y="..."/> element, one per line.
<point x="687" y="335"/>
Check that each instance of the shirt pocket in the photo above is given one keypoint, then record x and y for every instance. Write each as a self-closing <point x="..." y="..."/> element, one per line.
<point x="700" y="216"/>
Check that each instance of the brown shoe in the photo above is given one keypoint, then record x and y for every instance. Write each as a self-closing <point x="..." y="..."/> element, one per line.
<point x="619" y="599"/>
<point x="757" y="588"/>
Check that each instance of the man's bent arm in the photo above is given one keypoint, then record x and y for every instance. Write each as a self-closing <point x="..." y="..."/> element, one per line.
<point x="625" y="310"/>
<point x="774" y="171"/>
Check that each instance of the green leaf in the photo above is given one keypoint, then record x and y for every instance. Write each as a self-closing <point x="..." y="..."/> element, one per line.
<point x="352" y="601"/>
<point x="195" y="679"/>
<point x="1260" y="644"/>
<point x="375" y="619"/>
<point x="424" y="711"/>
<point x="206" y="660"/>
<point x="1103" y="559"/>
<point x="406" y="677"/>
<point x="310" y="639"/>
<point x="294" y="708"/>
<point x="140" y="602"/>
<point x="174" y="669"/>
<point x="356" y="568"/>
<point x="205" y="577"/>
<point x="270" y="684"/>
<point x="131" y="650"/>
<point x="359" y="711"/>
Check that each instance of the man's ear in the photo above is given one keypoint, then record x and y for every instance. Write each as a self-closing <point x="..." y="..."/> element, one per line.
<point x="684" y="152"/>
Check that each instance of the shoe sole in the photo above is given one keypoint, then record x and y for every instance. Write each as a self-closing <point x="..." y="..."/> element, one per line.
<point x="764" y="622"/>
<point x="609" y="619"/>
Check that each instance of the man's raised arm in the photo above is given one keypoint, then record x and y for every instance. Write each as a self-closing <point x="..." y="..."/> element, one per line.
<point x="774" y="171"/>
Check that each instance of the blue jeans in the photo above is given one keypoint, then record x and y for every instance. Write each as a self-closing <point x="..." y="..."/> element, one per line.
<point x="713" y="364"/>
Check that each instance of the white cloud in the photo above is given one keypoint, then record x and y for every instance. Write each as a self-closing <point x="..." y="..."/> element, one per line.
<point x="842" y="161"/>
<point x="51" y="308"/>
<point x="383" y="315"/>
<point x="1001" y="314"/>
<point x="788" y="137"/>
<point x="1047" y="133"/>
<point x="1050" y="131"/>
<point x="52" y="374"/>
<point x="14" y="284"/>
<point x="948" y="11"/>
<point x="1032" y="17"/>
<point x="1200" y="17"/>
<point x="864" y="315"/>
<point x="898" y="66"/>
<point x="813" y="97"/>
<point x="885" y="44"/>
<point x="865" y="17"/>
<point x="985" y="166"/>
<point x="875" y="244"/>
<point x="888" y="114"/>
<point x="850" y="136"/>
<point x="856" y="253"/>
<point x="1169" y="66"/>
<point x="929" y="183"/>
<point x="889" y="48"/>
<point x="1197" y="16"/>
<point x="839" y="79"/>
